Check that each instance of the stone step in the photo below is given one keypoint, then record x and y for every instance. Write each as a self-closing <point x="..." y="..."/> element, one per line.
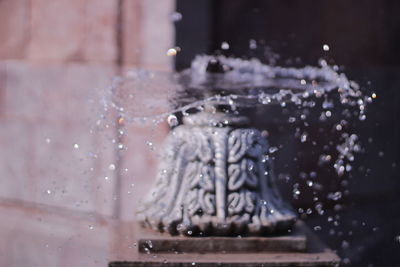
<point x="152" y="242"/>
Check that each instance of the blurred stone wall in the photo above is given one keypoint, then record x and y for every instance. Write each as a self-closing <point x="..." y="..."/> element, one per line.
<point x="54" y="56"/>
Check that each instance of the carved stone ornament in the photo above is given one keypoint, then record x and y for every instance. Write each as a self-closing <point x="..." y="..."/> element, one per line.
<point x="215" y="178"/>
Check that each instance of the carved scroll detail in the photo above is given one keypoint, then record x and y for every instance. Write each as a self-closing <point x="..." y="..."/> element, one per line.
<point x="215" y="180"/>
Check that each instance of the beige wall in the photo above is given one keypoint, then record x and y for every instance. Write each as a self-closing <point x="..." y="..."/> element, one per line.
<point x="55" y="55"/>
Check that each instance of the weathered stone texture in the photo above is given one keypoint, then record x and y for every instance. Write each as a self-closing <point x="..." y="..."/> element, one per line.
<point x="55" y="58"/>
<point x="46" y="112"/>
<point x="79" y="31"/>
<point x="14" y="28"/>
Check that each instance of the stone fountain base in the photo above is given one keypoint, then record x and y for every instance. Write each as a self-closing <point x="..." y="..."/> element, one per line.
<point x="216" y="178"/>
<point x="299" y="248"/>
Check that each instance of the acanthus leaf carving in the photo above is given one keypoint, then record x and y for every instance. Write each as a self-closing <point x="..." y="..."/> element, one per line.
<point x="207" y="178"/>
<point x="236" y="176"/>
<point x="207" y="202"/>
<point x="216" y="176"/>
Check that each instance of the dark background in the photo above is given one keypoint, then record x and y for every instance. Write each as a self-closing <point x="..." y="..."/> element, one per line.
<point x="364" y="40"/>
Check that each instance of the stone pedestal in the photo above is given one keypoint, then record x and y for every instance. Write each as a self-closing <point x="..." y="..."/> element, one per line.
<point x="298" y="248"/>
<point x="216" y="178"/>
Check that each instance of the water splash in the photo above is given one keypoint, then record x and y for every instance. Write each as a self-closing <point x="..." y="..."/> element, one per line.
<point x="314" y="96"/>
<point x="143" y="96"/>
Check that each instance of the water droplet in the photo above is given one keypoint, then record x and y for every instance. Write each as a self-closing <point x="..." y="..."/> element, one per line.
<point x="303" y="137"/>
<point x="340" y="170"/>
<point x="303" y="175"/>
<point x="323" y="159"/>
<point x="149" y="244"/>
<point x="265" y="158"/>
<point x="328" y="113"/>
<point x="335" y="196"/>
<point x="264" y="133"/>
<point x="172" y="52"/>
<point x="251" y="167"/>
<point x="76" y="146"/>
<point x="319" y="208"/>
<point x="185" y="113"/>
<point x="176" y="16"/>
<point x="48" y="140"/>
<point x="348" y="167"/>
<point x="264" y="99"/>
<point x="172" y="120"/>
<point x="327" y="104"/>
<point x="150" y="144"/>
<point x="317" y="228"/>
<point x="337" y="207"/>
<point x="325" y="47"/>
<point x="121" y="120"/>
<point x="48" y="191"/>
<point x="252" y="44"/>
<point x="224" y="46"/>
<point x="272" y="149"/>
<point x="91" y="227"/>
<point x="346" y="261"/>
<point x="111" y="167"/>
<point x="323" y="63"/>
<point x="106" y="178"/>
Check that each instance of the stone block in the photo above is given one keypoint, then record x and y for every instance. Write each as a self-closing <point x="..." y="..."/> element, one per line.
<point x="317" y="254"/>
<point x="100" y="33"/>
<point x="148" y="32"/>
<point x="2" y="89"/>
<point x="37" y="235"/>
<point x="14" y="28"/>
<point x="154" y="242"/>
<point x="16" y="160"/>
<point x="131" y="31"/>
<point x="73" y="31"/>
<point x="69" y="169"/>
<point x="47" y="111"/>
<point x="157" y="34"/>
<point x="57" y="30"/>
<point x="53" y="92"/>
